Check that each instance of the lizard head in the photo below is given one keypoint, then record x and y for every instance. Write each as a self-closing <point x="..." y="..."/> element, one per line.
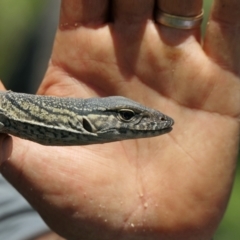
<point x="119" y="118"/>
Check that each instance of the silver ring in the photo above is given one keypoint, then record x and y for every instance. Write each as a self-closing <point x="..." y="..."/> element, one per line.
<point x="179" y="22"/>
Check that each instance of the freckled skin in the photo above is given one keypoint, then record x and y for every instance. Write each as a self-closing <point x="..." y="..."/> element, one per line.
<point x="61" y="121"/>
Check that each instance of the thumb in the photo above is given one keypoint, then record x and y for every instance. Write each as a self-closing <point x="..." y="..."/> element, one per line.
<point x="5" y="148"/>
<point x="5" y="140"/>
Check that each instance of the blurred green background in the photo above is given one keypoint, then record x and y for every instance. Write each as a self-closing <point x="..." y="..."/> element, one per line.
<point x="26" y="33"/>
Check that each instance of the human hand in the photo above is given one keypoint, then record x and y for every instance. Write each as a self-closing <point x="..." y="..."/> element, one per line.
<point x="175" y="186"/>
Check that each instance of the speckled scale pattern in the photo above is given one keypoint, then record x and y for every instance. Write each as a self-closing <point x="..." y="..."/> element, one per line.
<point x="50" y="120"/>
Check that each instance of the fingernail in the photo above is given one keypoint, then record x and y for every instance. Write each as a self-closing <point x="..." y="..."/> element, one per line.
<point x="6" y="147"/>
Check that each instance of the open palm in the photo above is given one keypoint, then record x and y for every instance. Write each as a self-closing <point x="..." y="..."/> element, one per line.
<point x="175" y="186"/>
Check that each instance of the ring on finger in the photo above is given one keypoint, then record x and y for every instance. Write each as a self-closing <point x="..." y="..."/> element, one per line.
<point x="179" y="22"/>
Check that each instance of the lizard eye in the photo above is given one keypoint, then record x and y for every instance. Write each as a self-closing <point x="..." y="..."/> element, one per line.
<point x="126" y="115"/>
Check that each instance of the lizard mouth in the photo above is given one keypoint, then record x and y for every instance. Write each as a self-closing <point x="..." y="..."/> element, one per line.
<point x="166" y="130"/>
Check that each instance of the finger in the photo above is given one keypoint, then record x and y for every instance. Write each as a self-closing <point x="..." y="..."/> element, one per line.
<point x="83" y="12"/>
<point x="185" y="8"/>
<point x="223" y="36"/>
<point x="132" y="11"/>
<point x="2" y="86"/>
